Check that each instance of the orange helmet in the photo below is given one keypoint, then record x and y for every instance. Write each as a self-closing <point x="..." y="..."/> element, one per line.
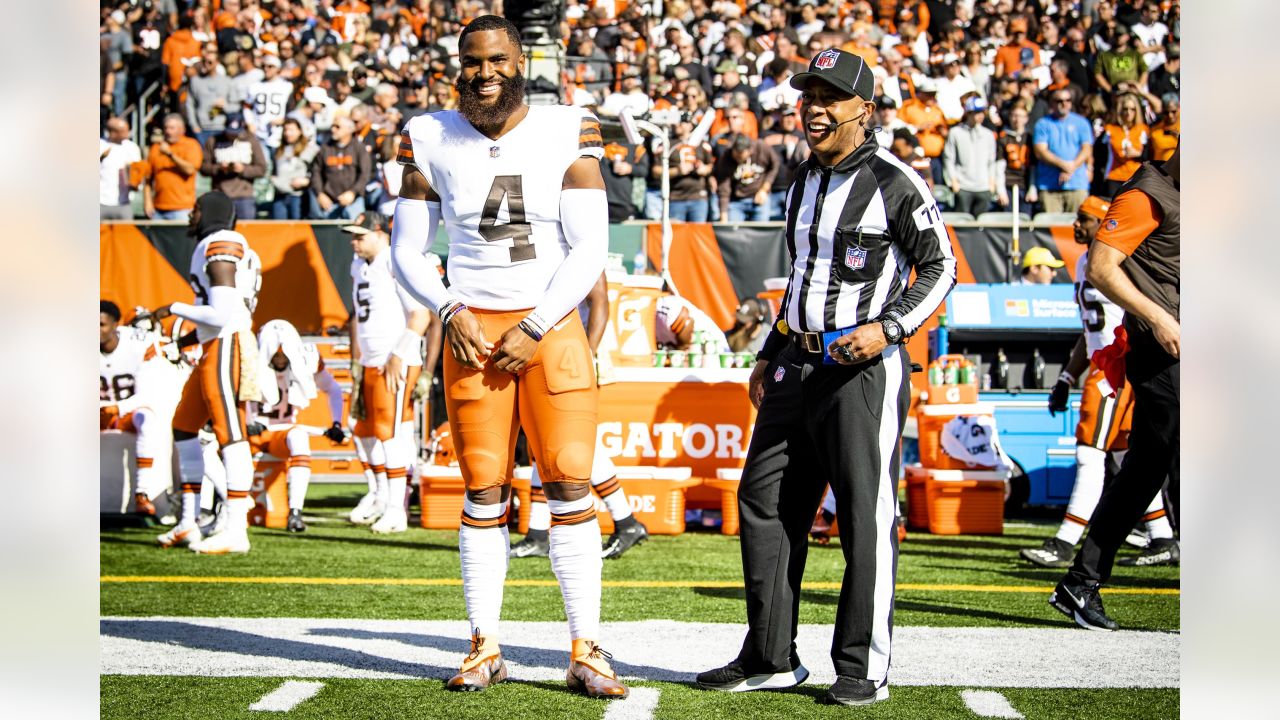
<point x="441" y="447"/>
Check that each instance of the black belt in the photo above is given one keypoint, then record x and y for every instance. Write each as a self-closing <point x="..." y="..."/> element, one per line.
<point x="810" y="342"/>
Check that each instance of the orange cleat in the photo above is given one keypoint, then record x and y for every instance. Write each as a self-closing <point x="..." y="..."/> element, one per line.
<point x="143" y="504"/>
<point x="589" y="672"/>
<point x="482" y="667"/>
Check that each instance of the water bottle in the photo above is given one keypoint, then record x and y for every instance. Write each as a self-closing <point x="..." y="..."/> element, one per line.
<point x="951" y="374"/>
<point x="641" y="263"/>
<point x="1000" y="379"/>
<point x="1037" y="370"/>
<point x="935" y="373"/>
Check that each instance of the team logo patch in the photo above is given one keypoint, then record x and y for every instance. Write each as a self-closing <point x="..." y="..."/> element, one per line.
<point x="855" y="258"/>
<point x="1112" y="224"/>
<point x="827" y="59"/>
<point x="777" y="374"/>
<point x="493" y="151"/>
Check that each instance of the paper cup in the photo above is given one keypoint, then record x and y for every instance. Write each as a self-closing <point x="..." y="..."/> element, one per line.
<point x="678" y="358"/>
<point x="660" y="358"/>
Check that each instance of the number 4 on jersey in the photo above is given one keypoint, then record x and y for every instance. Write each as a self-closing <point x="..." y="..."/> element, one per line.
<point x="516" y="228"/>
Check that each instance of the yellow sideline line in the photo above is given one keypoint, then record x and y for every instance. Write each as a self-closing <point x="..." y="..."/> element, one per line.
<point x="454" y="582"/>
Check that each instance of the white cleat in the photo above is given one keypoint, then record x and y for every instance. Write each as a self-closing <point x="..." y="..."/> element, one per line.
<point x="228" y="541"/>
<point x="368" y="510"/>
<point x="218" y="524"/>
<point x="393" y="521"/>
<point x="180" y="534"/>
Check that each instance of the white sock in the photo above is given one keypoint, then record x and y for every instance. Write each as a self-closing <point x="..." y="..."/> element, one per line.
<point x="575" y="559"/>
<point x="299" y="472"/>
<point x="615" y="498"/>
<point x="368" y="469"/>
<point x="237" y="458"/>
<point x="145" y="427"/>
<point x="1157" y="520"/>
<point x="191" y="468"/>
<point x="215" y="475"/>
<point x="377" y="453"/>
<point x="1091" y="468"/>
<point x="483" y="552"/>
<point x="539" y="515"/>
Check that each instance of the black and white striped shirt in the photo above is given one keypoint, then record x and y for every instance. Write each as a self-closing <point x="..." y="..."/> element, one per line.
<point x="855" y="232"/>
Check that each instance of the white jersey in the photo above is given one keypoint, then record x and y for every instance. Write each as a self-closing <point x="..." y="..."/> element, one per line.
<point x="229" y="246"/>
<point x="501" y="198"/>
<point x="267" y="102"/>
<point x="285" y="412"/>
<point x="382" y="310"/>
<point x="121" y="380"/>
<point x="1099" y="315"/>
<point x="249" y="279"/>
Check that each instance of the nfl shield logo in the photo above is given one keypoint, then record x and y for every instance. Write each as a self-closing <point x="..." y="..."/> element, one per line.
<point x="855" y="258"/>
<point x="493" y="151"/>
<point x="777" y="374"/>
<point x="827" y="59"/>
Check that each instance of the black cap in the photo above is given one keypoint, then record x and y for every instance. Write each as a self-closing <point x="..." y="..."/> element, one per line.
<point x="843" y="70"/>
<point x="367" y="222"/>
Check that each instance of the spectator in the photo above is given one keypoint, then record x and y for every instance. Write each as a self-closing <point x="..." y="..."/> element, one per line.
<point x="952" y="86"/>
<point x="339" y="174"/>
<point x="1020" y="54"/>
<point x="906" y="149"/>
<point x="442" y="97"/>
<point x="750" y="323"/>
<point x="1127" y="138"/>
<point x="292" y="174"/>
<point x="973" y="67"/>
<point x="1013" y="160"/>
<point x="860" y="44"/>
<point x="145" y="68"/>
<point x="1167" y="79"/>
<point x="243" y="73"/>
<point x="1075" y="53"/>
<point x="889" y="122"/>
<point x="632" y="97"/>
<point x="898" y="83"/>
<point x="1165" y="134"/>
<point x="118" y="43"/>
<point x="910" y="43"/>
<point x="589" y="67"/>
<point x="267" y="103"/>
<point x="926" y="117"/>
<point x="736" y="51"/>
<point x="735" y="119"/>
<point x="809" y="22"/>
<point x="1063" y="144"/>
<point x="744" y="176"/>
<point x="233" y="159"/>
<point x="172" y="160"/>
<point x="383" y="115"/>
<point x="787" y="140"/>
<point x="366" y="134"/>
<point x="781" y="94"/>
<point x="320" y="110"/>
<point x="689" y="167"/>
<point x="1060" y="79"/>
<point x="209" y="97"/>
<point x="622" y="164"/>
<point x="1121" y="64"/>
<point x="1039" y="266"/>
<point x="731" y="84"/>
<point x="181" y="50"/>
<point x="1151" y="35"/>
<point x="116" y="156"/>
<point x="969" y="161"/>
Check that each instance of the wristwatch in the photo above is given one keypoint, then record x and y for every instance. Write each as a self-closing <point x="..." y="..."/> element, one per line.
<point x="892" y="330"/>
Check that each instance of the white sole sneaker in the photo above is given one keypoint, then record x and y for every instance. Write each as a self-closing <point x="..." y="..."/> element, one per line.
<point x="773" y="681"/>
<point x="391" y="523"/>
<point x="224" y="543"/>
<point x="180" y="535"/>
<point x="367" y="514"/>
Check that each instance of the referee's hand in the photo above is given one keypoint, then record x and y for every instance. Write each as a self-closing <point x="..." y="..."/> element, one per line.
<point x="858" y="346"/>
<point x="755" y="386"/>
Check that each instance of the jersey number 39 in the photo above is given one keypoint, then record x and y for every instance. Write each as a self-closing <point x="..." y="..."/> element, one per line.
<point x="517" y="227"/>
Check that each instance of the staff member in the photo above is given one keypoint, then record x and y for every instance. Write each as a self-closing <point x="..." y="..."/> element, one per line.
<point x="832" y="388"/>
<point x="1135" y="261"/>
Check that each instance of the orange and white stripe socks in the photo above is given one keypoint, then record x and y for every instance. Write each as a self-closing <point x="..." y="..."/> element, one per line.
<point x="298" y="466"/>
<point x="614" y="497"/>
<point x="376" y="452"/>
<point x="1091" y="469"/>
<point x="191" y="469"/>
<point x="483" y="544"/>
<point x="575" y="560"/>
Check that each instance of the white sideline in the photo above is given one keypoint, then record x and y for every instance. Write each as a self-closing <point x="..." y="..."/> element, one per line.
<point x="639" y="705"/>
<point x="288" y="696"/>
<point x="989" y="703"/>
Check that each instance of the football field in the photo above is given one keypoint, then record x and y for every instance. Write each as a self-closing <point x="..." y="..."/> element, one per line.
<point x="338" y="622"/>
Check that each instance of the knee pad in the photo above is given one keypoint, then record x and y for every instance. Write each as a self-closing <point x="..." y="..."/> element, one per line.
<point x="573" y="462"/>
<point x="481" y="469"/>
<point x="298" y="441"/>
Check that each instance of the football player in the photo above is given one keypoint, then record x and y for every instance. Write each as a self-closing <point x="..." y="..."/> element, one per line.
<point x="220" y="268"/>
<point x="523" y="200"/>
<point x="1104" y="419"/>
<point x="124" y="358"/>
<point x="299" y="372"/>
<point x="387" y="328"/>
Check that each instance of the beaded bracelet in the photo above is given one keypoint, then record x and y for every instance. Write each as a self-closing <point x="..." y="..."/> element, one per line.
<point x="530" y="330"/>
<point x="450" y="312"/>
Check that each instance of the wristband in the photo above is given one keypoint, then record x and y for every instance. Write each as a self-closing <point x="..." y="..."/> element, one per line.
<point x="1067" y="378"/>
<point x="452" y="310"/>
<point x="530" y="330"/>
<point x="409" y="347"/>
<point x="446" y="307"/>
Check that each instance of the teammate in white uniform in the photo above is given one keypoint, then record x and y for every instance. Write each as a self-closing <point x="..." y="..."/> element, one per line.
<point x="1104" y="419"/>
<point x="221" y="274"/>
<point x="125" y="380"/>
<point x="267" y="102"/>
<point x="387" y="327"/>
<point x="520" y="191"/>
<point x="677" y="322"/>
<point x="292" y="371"/>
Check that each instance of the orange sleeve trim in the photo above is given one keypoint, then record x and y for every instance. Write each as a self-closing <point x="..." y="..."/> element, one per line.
<point x="405" y="155"/>
<point x="232" y="249"/>
<point x="589" y="135"/>
<point x="1132" y="217"/>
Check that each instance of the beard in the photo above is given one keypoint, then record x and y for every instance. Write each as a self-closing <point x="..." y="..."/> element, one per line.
<point x="483" y="113"/>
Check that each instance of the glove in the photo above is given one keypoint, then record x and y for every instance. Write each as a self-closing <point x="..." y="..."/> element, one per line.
<point x="335" y="433"/>
<point x="254" y="429"/>
<point x="357" y="395"/>
<point x="421" y="388"/>
<point x="1060" y="393"/>
<point x="107" y="417"/>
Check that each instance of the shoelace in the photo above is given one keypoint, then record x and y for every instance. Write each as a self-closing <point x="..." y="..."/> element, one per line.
<point x="597" y="651"/>
<point x="475" y="647"/>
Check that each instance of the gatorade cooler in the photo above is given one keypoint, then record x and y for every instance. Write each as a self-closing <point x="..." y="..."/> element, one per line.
<point x="956" y="502"/>
<point x="726" y="481"/>
<point x="656" y="495"/>
<point x="441" y="491"/>
<point x="630" y="335"/>
<point x="522" y="487"/>
<point x="270" y="493"/>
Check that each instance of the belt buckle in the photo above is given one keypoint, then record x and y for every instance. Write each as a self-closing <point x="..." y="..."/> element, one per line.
<point x="812" y="342"/>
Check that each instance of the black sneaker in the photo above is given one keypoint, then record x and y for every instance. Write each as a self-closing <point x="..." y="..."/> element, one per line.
<point x="623" y="539"/>
<point x="856" y="691"/>
<point x="533" y="545"/>
<point x="1161" y="551"/>
<point x="295" y="522"/>
<point x="1054" y="553"/>
<point x="1083" y="604"/>
<point x="734" y="678"/>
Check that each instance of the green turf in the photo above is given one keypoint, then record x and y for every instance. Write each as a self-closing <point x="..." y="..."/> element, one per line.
<point x="333" y="548"/>
<point x="164" y="698"/>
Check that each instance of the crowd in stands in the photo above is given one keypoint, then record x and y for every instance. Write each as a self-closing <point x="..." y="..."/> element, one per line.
<point x="293" y="107"/>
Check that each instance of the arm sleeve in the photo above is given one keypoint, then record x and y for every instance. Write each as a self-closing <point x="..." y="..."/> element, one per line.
<point x="584" y="216"/>
<point x="332" y="391"/>
<point x="411" y="233"/>
<point x="920" y="232"/>
<point x="221" y="307"/>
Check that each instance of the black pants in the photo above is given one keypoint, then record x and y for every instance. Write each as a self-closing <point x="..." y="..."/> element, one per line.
<point x="1153" y="456"/>
<point x="818" y="424"/>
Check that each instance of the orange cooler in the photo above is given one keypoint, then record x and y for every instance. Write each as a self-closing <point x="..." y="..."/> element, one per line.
<point x="441" y="491"/>
<point x="726" y="481"/>
<point x="632" y="300"/>
<point x="958" y="502"/>
<point x="270" y="493"/>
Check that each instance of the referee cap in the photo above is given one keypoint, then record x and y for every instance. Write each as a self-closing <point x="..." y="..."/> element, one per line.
<point x="843" y="70"/>
<point x="1040" y="256"/>
<point x="1095" y="206"/>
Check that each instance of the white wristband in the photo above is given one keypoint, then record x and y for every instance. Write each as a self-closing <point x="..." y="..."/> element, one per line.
<point x="1067" y="377"/>
<point x="409" y="347"/>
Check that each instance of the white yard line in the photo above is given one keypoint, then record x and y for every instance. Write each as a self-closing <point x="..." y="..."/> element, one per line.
<point x="288" y="696"/>
<point x="645" y="650"/>
<point x="639" y="705"/>
<point x="989" y="703"/>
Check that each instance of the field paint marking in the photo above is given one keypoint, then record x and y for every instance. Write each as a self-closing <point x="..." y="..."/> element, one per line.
<point x="288" y="696"/>
<point x="456" y="582"/>
<point x="639" y="705"/>
<point x="989" y="703"/>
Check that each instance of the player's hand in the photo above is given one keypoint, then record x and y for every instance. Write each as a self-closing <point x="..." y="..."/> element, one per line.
<point x="515" y="350"/>
<point x="107" y="417"/>
<point x="392" y="374"/>
<point x="755" y="386"/>
<point x="254" y="429"/>
<point x="858" y="346"/>
<point x="466" y="340"/>
<point x="335" y="433"/>
<point x="1058" y="396"/>
<point x="1168" y="333"/>
<point x="421" y="388"/>
<point x="161" y="313"/>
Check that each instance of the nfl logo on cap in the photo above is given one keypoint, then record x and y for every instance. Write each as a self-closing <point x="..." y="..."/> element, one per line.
<point x="827" y="59"/>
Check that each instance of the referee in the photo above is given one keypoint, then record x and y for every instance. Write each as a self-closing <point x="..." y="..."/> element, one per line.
<point x="832" y="385"/>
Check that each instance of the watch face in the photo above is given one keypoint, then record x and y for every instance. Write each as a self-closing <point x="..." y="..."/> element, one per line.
<point x="891" y="332"/>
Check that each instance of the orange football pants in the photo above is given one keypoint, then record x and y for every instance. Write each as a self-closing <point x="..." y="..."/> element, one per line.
<point x="383" y="412"/>
<point x="212" y="393"/>
<point x="553" y="398"/>
<point x="1104" y="421"/>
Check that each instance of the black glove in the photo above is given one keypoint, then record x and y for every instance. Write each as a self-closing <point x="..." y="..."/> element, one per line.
<point x="1060" y="393"/>
<point x="255" y="428"/>
<point x="335" y="433"/>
